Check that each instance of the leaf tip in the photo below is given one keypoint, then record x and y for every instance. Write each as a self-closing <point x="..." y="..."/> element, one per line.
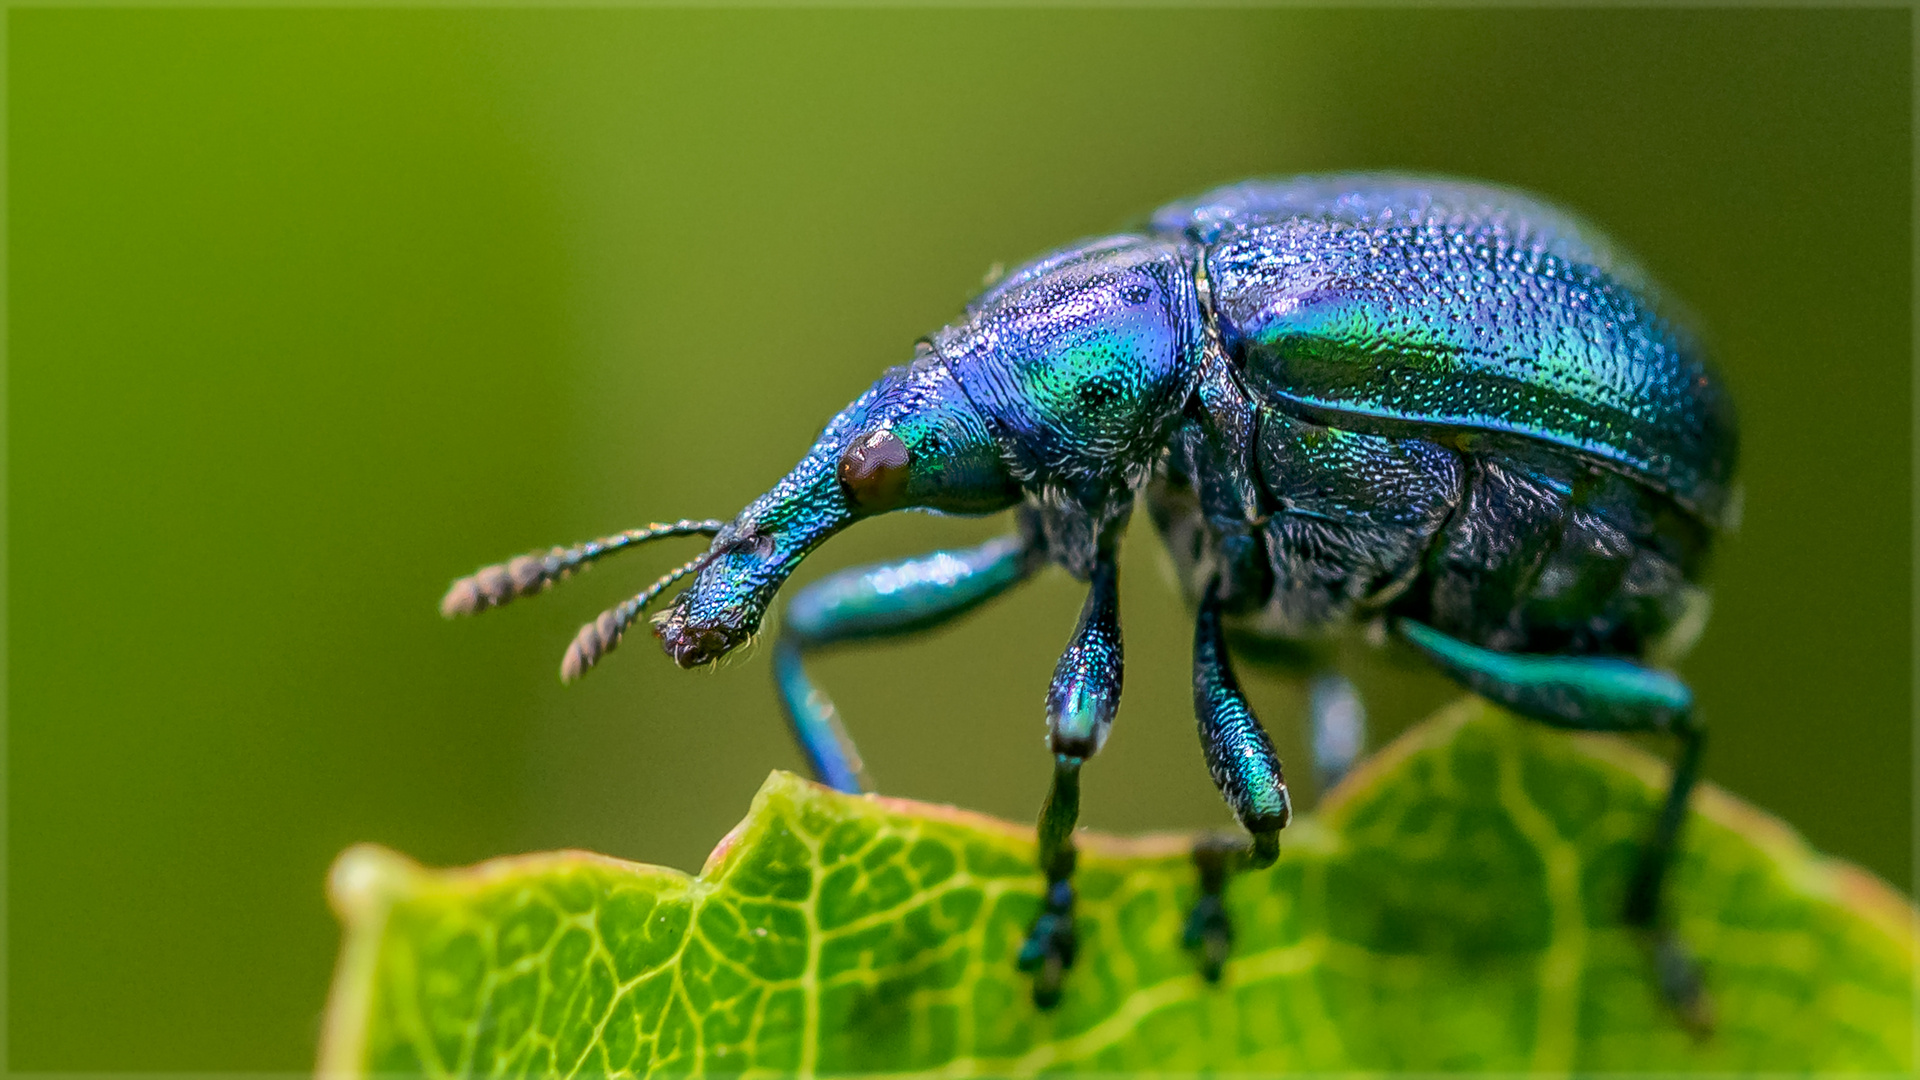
<point x="364" y="879"/>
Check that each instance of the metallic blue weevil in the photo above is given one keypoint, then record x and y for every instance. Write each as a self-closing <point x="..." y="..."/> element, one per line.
<point x="1445" y="411"/>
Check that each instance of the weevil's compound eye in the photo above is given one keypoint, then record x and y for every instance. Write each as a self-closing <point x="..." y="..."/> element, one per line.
<point x="873" y="471"/>
<point x="754" y="544"/>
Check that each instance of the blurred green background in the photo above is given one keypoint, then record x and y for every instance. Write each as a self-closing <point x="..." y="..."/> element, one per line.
<point x="313" y="311"/>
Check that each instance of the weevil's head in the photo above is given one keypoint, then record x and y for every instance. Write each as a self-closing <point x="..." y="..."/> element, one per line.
<point x="1060" y="384"/>
<point x="911" y="441"/>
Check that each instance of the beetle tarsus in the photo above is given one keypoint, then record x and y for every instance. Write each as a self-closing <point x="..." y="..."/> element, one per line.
<point x="1049" y="949"/>
<point x="1681" y="977"/>
<point x="1209" y="932"/>
<point x="1210" y="935"/>
<point x="1683" y="983"/>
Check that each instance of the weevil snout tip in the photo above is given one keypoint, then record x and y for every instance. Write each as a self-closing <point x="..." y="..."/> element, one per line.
<point x="692" y="646"/>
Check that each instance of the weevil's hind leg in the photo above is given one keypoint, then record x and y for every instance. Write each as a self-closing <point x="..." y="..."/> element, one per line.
<point x="1591" y="693"/>
<point x="1081" y="702"/>
<point x="1339" y="727"/>
<point x="873" y="602"/>
<point x="1246" y="770"/>
<point x="1680" y="974"/>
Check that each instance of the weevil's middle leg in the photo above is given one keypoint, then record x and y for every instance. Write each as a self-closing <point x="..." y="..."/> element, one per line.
<point x="1217" y="857"/>
<point x="872" y="602"/>
<point x="1208" y="931"/>
<point x="1244" y="767"/>
<point x="1081" y="702"/>
<point x="1336" y="715"/>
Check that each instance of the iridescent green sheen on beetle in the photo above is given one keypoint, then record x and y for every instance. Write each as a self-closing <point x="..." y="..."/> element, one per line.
<point x="1442" y="409"/>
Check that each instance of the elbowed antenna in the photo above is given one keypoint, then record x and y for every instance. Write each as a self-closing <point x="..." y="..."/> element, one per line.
<point x="524" y="575"/>
<point x="597" y="638"/>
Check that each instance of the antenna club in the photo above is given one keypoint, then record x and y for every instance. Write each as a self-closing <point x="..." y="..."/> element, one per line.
<point x="463" y="598"/>
<point x="536" y="571"/>
<point x="492" y="586"/>
<point x="527" y="574"/>
<point x="594" y="640"/>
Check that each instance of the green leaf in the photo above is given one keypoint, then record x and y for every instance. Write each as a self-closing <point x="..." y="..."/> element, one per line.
<point x="1453" y="906"/>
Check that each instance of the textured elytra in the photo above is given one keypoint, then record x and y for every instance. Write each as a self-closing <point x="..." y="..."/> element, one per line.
<point x="1454" y="906"/>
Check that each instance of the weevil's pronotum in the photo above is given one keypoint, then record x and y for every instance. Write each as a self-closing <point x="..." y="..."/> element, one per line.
<point x="1439" y="409"/>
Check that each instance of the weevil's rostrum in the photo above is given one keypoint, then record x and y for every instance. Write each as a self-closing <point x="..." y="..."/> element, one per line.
<point x="1442" y="409"/>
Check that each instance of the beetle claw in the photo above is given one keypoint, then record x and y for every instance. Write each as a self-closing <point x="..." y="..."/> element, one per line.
<point x="1050" y="946"/>
<point x="1210" y="934"/>
<point x="1683" y="984"/>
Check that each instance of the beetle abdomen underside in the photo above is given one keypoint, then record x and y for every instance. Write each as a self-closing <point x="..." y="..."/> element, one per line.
<point x="1505" y="544"/>
<point x="1353" y="514"/>
<point x="1548" y="554"/>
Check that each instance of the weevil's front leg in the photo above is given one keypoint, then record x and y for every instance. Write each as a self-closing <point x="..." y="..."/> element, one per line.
<point x="1081" y="701"/>
<point x="1049" y="949"/>
<point x="1596" y="693"/>
<point x="1246" y="770"/>
<point x="881" y="601"/>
